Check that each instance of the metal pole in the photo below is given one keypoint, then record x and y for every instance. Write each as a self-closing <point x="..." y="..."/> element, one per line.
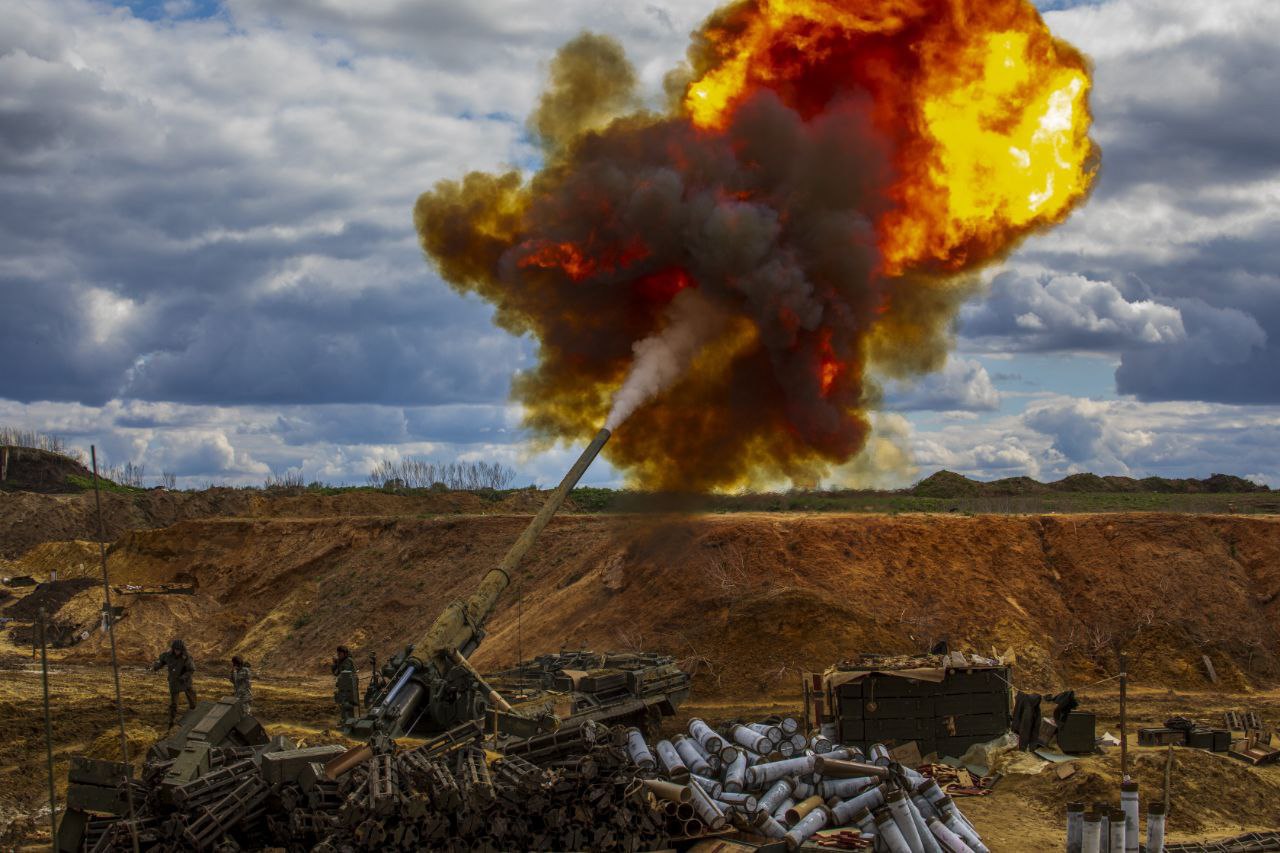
<point x="111" y="633"/>
<point x="48" y="737"/>
<point x="1124" y="720"/>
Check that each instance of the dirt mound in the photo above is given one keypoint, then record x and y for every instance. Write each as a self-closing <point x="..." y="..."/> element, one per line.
<point x="1198" y="782"/>
<point x="748" y="601"/>
<point x="51" y="595"/>
<point x="28" y="469"/>
<point x="77" y="558"/>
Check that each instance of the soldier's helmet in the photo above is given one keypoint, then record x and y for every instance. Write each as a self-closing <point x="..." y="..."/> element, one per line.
<point x="178" y="646"/>
<point x="236" y="660"/>
<point x="343" y="650"/>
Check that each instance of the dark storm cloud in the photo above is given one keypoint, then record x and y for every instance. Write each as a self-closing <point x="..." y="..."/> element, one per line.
<point x="169" y="233"/>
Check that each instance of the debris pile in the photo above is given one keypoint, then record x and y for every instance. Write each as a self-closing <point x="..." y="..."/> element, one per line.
<point x="219" y="781"/>
<point x="769" y="779"/>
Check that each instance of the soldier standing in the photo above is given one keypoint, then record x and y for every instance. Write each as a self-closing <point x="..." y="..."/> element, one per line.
<point x="376" y="681"/>
<point x="242" y="683"/>
<point x="181" y="668"/>
<point x="346" y="688"/>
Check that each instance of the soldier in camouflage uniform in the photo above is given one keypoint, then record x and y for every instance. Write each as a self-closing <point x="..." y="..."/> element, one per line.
<point x="242" y="683"/>
<point x="346" y="688"/>
<point x="181" y="669"/>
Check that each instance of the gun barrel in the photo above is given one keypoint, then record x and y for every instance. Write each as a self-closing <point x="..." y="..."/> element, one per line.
<point x="455" y="627"/>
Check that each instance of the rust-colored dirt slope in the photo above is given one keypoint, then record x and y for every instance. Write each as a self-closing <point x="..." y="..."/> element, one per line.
<point x="27" y="518"/>
<point x="748" y="601"/>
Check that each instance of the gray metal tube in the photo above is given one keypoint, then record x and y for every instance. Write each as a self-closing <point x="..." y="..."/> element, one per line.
<point x="803" y="790"/>
<point x="1075" y="827"/>
<point x="711" y="786"/>
<point x="751" y="739"/>
<point x="807" y="826"/>
<point x="891" y="833"/>
<point x="708" y="811"/>
<point x="671" y="763"/>
<point x="879" y="755"/>
<point x="773" y="733"/>
<point x="780" y="813"/>
<point x="762" y="774"/>
<point x="947" y="840"/>
<point x="706" y="736"/>
<point x="786" y="749"/>
<point x="1155" y="828"/>
<point x="735" y="774"/>
<point x="865" y="822"/>
<point x="897" y="802"/>
<point x="799" y="741"/>
<point x="639" y="751"/>
<point x="866" y="801"/>
<point x="927" y="841"/>
<point x="1129" y="805"/>
<point x="961" y="827"/>
<point x="820" y="744"/>
<point x="779" y="792"/>
<point x="768" y="827"/>
<point x="745" y="803"/>
<point x="844" y="788"/>
<point x="1117" y="828"/>
<point x="687" y="749"/>
<point x="1091" y="837"/>
<point x="789" y="726"/>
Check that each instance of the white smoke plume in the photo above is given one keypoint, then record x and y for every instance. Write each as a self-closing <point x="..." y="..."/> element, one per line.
<point x="693" y="321"/>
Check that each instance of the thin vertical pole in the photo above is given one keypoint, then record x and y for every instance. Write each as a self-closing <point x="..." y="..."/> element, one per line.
<point x="1124" y="719"/>
<point x="48" y="737"/>
<point x="111" y="633"/>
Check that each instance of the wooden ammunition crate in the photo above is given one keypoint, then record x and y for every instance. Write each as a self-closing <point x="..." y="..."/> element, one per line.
<point x="967" y="707"/>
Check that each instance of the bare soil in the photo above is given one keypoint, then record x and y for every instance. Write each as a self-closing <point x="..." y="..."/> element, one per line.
<point x="748" y="602"/>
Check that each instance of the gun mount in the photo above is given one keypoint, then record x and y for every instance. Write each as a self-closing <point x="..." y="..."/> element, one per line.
<point x="432" y="686"/>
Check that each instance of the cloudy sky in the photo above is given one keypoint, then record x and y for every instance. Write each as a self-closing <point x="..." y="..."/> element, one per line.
<point x="207" y="261"/>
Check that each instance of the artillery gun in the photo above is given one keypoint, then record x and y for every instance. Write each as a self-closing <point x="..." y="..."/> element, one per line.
<point x="432" y="686"/>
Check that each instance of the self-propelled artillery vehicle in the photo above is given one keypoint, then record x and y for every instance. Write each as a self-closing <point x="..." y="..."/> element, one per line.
<point x="432" y="686"/>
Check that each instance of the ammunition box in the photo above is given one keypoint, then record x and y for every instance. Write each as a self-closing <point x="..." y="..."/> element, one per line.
<point x="191" y="763"/>
<point x="218" y="722"/>
<point x="285" y="766"/>
<point x="97" y="798"/>
<point x="1160" y="736"/>
<point x="1079" y="733"/>
<point x="947" y="717"/>
<point x="90" y="771"/>
<point x="1213" y="740"/>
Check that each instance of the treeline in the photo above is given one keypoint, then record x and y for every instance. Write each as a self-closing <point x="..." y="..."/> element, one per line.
<point x="415" y="473"/>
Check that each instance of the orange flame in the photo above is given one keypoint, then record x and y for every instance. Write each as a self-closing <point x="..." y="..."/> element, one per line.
<point x="988" y="110"/>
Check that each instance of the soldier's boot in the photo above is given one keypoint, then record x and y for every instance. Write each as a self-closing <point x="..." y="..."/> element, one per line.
<point x="173" y="712"/>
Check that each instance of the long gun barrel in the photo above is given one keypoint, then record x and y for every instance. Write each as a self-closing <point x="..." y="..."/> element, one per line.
<point x="459" y="628"/>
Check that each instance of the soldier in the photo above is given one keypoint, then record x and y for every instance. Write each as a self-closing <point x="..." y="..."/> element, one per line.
<point x="242" y="683"/>
<point x="181" y="669"/>
<point x="346" y="688"/>
<point x="377" y="682"/>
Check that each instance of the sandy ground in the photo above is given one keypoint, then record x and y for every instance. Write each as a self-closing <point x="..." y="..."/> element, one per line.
<point x="1212" y="795"/>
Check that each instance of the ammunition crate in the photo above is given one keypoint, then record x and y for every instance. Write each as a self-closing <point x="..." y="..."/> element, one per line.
<point x="947" y="717"/>
<point x="1079" y="733"/>
<point x="1213" y="740"/>
<point x="1160" y="736"/>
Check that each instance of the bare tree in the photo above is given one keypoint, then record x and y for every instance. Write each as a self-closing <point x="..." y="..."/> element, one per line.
<point x="168" y="480"/>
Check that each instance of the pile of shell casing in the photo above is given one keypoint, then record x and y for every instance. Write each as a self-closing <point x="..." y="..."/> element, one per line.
<point x="452" y="793"/>
<point x="768" y="779"/>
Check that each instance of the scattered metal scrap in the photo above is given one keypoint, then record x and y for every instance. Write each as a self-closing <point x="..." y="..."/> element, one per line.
<point x="1254" y="842"/>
